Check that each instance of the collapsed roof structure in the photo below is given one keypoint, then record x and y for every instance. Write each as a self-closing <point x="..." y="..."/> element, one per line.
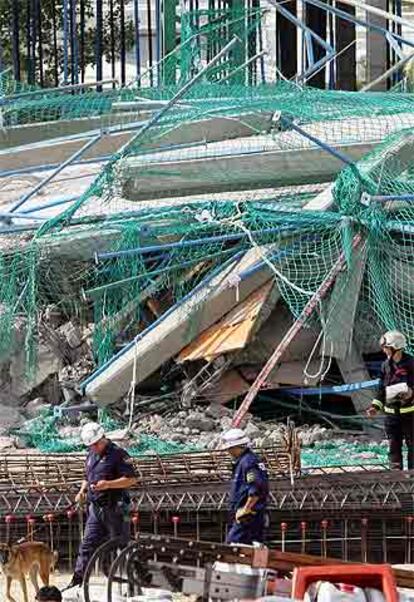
<point x="197" y="220"/>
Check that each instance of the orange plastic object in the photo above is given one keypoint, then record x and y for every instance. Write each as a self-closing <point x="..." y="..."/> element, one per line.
<point x="379" y="576"/>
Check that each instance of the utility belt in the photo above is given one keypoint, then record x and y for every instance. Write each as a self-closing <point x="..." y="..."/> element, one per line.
<point x="111" y="501"/>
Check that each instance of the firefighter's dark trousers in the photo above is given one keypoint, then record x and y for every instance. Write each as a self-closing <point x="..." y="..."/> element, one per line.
<point x="400" y="428"/>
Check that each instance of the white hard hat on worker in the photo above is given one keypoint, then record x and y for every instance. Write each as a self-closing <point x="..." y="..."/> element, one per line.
<point x="234" y="438"/>
<point x="394" y="339"/>
<point x="91" y="433"/>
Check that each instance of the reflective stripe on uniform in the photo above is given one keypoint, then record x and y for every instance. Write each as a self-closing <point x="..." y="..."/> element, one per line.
<point x="378" y="404"/>
<point x="408" y="410"/>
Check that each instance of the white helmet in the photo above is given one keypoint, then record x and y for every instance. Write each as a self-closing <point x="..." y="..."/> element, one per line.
<point x="91" y="433"/>
<point x="394" y="339"/>
<point x="234" y="438"/>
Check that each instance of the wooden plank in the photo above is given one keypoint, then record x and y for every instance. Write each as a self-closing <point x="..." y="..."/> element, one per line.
<point x="177" y="330"/>
<point x="232" y="332"/>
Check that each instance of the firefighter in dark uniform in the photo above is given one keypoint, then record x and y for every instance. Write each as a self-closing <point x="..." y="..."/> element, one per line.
<point x="249" y="491"/>
<point x="396" y="398"/>
<point x="109" y="472"/>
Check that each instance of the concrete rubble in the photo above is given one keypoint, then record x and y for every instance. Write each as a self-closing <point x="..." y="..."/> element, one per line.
<point x="204" y="429"/>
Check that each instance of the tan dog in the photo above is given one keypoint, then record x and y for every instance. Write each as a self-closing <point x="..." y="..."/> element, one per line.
<point x="29" y="558"/>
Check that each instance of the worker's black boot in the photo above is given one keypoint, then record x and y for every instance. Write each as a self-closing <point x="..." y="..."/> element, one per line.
<point x="74" y="582"/>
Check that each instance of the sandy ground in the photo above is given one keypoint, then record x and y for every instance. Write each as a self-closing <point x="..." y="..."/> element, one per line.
<point x="73" y="595"/>
<point x="58" y="579"/>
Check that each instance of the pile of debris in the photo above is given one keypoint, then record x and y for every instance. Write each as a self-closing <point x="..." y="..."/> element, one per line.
<point x="203" y="429"/>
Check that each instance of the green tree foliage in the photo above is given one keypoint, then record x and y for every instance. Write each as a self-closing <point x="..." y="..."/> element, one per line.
<point x="49" y="45"/>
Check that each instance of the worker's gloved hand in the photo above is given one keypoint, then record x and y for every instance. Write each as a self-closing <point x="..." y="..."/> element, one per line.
<point x="244" y="514"/>
<point x="405" y="396"/>
<point x="80" y="497"/>
<point x="372" y="411"/>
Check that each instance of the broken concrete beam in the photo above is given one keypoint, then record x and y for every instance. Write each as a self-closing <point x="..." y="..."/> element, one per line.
<point x="395" y="158"/>
<point x="47" y="364"/>
<point x="172" y="332"/>
<point x="57" y="150"/>
<point x="240" y="171"/>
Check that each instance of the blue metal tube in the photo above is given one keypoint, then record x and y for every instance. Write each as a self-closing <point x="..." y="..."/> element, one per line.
<point x="357" y="21"/>
<point x="4" y="215"/>
<point x="62" y="166"/>
<point x="323" y="145"/>
<point x="392" y="197"/>
<point x="54" y="203"/>
<point x="50" y="166"/>
<point x="187" y="243"/>
<point x="158" y="321"/>
<point x="185" y="264"/>
<point x="337" y="389"/>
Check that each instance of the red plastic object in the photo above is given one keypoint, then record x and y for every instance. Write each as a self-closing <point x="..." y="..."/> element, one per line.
<point x="379" y="576"/>
<point x="346" y="587"/>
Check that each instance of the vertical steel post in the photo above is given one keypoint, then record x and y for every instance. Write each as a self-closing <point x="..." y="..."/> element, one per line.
<point x="99" y="43"/>
<point x="238" y="28"/>
<point x="82" y="40"/>
<point x="324" y="542"/>
<point x="65" y="42"/>
<point x="149" y="40"/>
<point x="303" y="527"/>
<point x="16" y="39"/>
<point x="123" y="43"/>
<point x="137" y="40"/>
<point x="168" y="27"/>
<point x="158" y="37"/>
<point x="409" y="538"/>
<point x="364" y="537"/>
<point x="345" y="66"/>
<point x="384" y="541"/>
<point x="55" y="46"/>
<point x="112" y="38"/>
<point x="283" y="528"/>
<point x="74" y="44"/>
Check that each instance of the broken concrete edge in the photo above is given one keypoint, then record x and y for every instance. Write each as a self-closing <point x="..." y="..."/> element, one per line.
<point x="112" y="380"/>
<point x="83" y="386"/>
<point x="49" y="151"/>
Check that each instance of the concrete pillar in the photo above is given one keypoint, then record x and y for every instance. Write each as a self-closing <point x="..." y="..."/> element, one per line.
<point x="346" y="61"/>
<point x="376" y="56"/>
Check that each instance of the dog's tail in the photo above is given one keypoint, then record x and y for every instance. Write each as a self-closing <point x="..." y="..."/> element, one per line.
<point x="54" y="560"/>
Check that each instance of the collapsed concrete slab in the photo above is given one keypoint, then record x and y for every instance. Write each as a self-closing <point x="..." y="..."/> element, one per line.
<point x="175" y="329"/>
<point x="42" y="147"/>
<point x="281" y="159"/>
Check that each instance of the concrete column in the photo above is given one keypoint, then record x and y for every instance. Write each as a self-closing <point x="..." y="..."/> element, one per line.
<point x="376" y="47"/>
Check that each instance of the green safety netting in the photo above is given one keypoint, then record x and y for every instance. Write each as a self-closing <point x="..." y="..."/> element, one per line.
<point x="340" y="452"/>
<point x="207" y="161"/>
<point x="43" y="434"/>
